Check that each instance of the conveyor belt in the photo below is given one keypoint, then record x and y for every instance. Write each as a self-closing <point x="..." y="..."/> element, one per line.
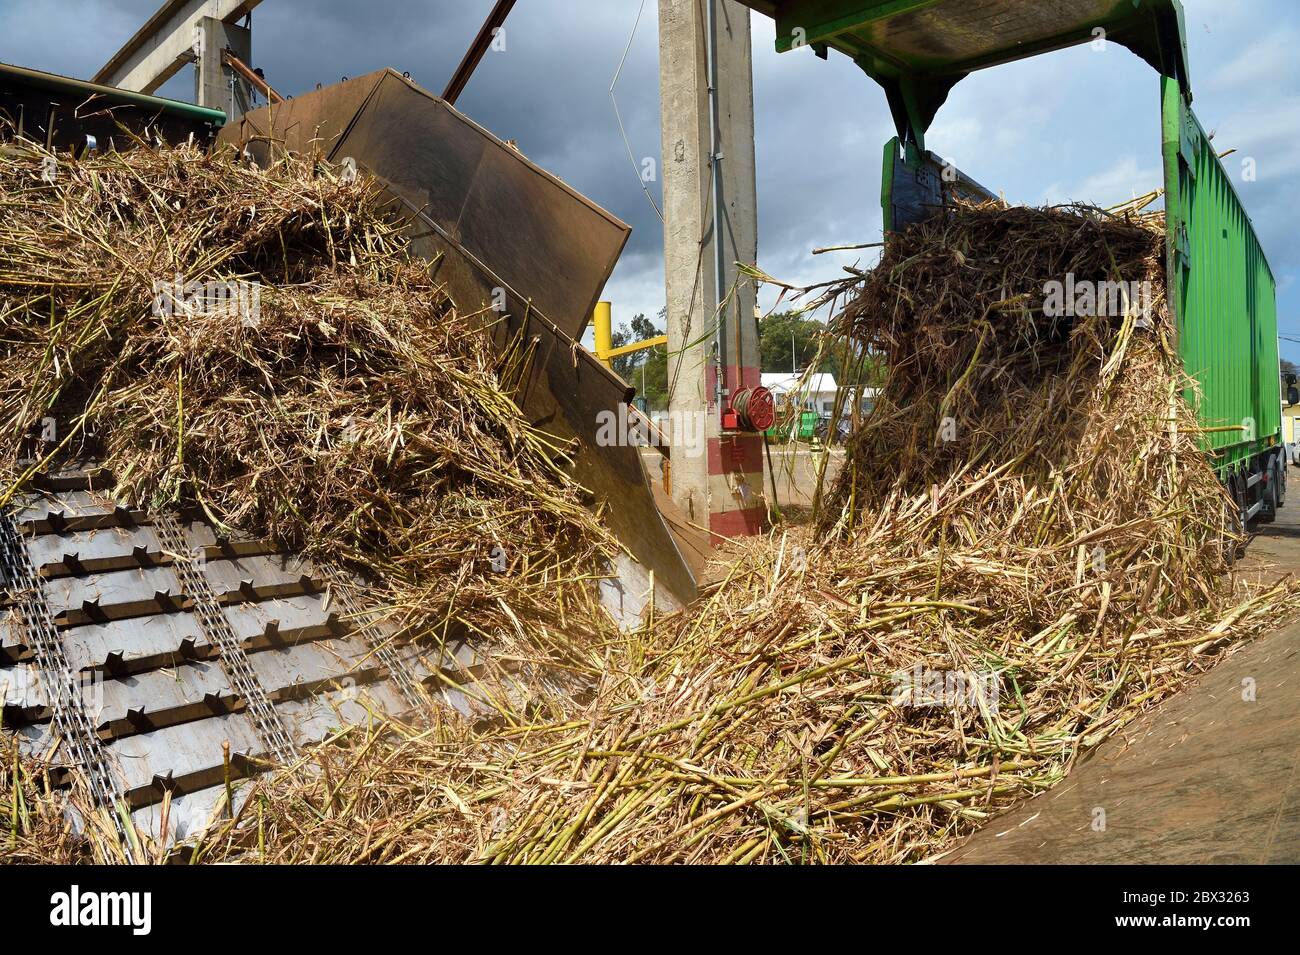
<point x="156" y="657"/>
<point x="230" y="652"/>
<point x="379" y="642"/>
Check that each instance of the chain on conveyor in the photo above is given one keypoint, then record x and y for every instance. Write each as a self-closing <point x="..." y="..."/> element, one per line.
<point x="63" y="687"/>
<point x="218" y="630"/>
<point x="379" y="643"/>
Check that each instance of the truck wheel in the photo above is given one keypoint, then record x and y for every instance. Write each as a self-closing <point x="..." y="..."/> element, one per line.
<point x="1241" y="494"/>
<point x="1279" y="465"/>
<point x="1234" y="545"/>
<point x="1235" y="513"/>
<point x="1268" y="494"/>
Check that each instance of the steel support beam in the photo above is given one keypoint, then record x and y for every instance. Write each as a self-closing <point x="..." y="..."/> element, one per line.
<point x="216" y="84"/>
<point x="486" y="34"/>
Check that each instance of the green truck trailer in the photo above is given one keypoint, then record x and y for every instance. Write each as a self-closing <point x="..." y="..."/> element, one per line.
<point x="1221" y="288"/>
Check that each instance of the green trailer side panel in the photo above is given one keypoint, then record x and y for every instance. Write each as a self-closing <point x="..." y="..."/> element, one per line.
<point x="1222" y="291"/>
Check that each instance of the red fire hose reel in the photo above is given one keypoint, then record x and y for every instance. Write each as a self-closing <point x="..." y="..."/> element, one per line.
<point x="752" y="409"/>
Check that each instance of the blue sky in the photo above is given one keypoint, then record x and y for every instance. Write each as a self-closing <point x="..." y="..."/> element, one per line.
<point x="1073" y="125"/>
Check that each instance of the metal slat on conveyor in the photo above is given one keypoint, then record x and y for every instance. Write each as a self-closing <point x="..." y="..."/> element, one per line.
<point x="379" y="642"/>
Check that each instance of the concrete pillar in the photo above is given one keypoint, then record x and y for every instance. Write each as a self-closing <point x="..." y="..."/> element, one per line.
<point x="717" y="477"/>
<point x="212" y="78"/>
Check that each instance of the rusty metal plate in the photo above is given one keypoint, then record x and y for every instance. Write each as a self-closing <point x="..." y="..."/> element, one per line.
<point x="564" y="394"/>
<point x="556" y="248"/>
<point x="310" y="124"/>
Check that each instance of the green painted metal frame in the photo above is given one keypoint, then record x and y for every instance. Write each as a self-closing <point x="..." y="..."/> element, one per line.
<point x="872" y="33"/>
<point x="66" y="84"/>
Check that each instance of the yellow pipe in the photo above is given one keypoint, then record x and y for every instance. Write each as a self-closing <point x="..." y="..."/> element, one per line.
<point x="602" y="321"/>
<point x="636" y="346"/>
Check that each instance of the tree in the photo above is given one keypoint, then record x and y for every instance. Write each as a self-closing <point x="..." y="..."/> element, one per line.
<point x="809" y="335"/>
<point x="1289" y="368"/>
<point x="778" y="332"/>
<point x="645" y="370"/>
<point x="788" y="342"/>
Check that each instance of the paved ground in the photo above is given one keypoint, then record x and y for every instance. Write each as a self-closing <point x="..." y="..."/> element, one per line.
<point x="796" y="473"/>
<point x="795" y="470"/>
<point x="1205" y="778"/>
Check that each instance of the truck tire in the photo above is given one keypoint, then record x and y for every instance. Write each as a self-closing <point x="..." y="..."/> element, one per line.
<point x="1268" y="492"/>
<point x="1234" y="545"/>
<point x="1236" y="484"/>
<point x="1279" y="464"/>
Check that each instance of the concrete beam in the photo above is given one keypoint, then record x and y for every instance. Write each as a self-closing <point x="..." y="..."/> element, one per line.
<point x="216" y="85"/>
<point x="166" y="43"/>
<point x="716" y="481"/>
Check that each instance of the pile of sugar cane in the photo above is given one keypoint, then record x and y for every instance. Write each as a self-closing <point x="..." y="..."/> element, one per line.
<point x="1026" y="551"/>
<point x="257" y="344"/>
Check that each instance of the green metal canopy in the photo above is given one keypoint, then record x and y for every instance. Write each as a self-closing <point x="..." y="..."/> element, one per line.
<point x="917" y="50"/>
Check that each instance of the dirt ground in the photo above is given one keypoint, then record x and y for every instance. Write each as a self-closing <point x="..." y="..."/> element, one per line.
<point x="1210" y="776"/>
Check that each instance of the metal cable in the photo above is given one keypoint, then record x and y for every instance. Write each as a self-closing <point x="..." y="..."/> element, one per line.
<point x="219" y="632"/>
<point x="619" y="116"/>
<point x="61" y="683"/>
